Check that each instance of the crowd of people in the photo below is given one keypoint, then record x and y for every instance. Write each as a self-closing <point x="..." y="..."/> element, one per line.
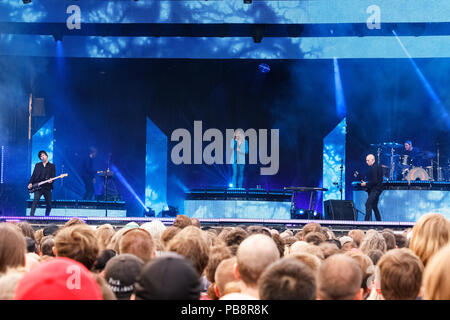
<point x="186" y="261"/>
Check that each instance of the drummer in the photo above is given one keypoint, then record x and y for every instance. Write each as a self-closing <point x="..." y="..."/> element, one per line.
<point x="412" y="154"/>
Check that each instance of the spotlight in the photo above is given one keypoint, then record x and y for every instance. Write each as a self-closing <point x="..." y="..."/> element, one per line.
<point x="230" y="185"/>
<point x="314" y="215"/>
<point x="300" y="214"/>
<point x="264" y="68"/>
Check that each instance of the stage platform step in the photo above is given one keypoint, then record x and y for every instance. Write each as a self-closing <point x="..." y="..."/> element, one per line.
<point x="81" y="208"/>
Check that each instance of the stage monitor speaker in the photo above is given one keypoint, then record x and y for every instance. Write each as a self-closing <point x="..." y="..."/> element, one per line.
<point x="339" y="210"/>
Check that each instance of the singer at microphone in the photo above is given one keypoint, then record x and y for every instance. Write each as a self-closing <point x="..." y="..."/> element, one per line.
<point x="240" y="148"/>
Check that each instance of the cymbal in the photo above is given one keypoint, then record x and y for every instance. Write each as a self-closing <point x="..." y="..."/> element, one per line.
<point x="392" y="145"/>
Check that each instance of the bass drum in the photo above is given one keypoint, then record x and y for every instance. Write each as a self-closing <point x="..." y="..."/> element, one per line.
<point x="417" y="173"/>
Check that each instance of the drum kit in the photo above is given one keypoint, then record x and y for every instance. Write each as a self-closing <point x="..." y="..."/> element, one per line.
<point x="420" y="165"/>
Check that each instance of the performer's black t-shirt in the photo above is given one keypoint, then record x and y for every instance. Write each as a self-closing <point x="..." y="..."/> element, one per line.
<point x="375" y="177"/>
<point x="41" y="173"/>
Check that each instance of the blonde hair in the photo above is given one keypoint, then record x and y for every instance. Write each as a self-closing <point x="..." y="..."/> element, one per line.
<point x="373" y="241"/>
<point x="436" y="279"/>
<point x="104" y="234"/>
<point x="12" y="247"/>
<point x="77" y="242"/>
<point x="312" y="261"/>
<point x="431" y="233"/>
<point x="155" y="228"/>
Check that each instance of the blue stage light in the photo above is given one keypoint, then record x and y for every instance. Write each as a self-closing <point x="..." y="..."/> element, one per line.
<point x="264" y="67"/>
<point x="230" y="185"/>
<point x="433" y="95"/>
<point x="122" y="179"/>
<point x="341" y="107"/>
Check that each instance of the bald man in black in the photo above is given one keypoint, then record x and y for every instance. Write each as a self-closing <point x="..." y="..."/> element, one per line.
<point x="374" y="187"/>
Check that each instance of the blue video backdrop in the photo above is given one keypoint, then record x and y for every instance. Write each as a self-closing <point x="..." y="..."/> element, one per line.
<point x="237" y="209"/>
<point x="333" y="155"/>
<point x="226" y="11"/>
<point x="406" y="205"/>
<point x="42" y="140"/>
<point x="155" y="168"/>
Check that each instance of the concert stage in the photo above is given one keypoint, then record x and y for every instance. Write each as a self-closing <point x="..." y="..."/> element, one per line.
<point x="407" y="201"/>
<point x="81" y="208"/>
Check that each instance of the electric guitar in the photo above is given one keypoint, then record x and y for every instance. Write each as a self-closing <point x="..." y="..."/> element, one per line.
<point x="37" y="186"/>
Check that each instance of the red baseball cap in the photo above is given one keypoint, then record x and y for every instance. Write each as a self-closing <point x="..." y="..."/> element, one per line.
<point x="58" y="279"/>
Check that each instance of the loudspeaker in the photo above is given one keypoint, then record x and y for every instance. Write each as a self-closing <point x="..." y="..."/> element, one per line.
<point x="339" y="210"/>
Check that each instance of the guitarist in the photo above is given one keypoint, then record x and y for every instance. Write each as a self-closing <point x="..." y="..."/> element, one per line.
<point x="374" y="187"/>
<point x="42" y="171"/>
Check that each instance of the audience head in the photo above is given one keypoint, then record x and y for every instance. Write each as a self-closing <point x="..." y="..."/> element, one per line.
<point x="308" y="259"/>
<point x="347" y="243"/>
<point x="104" y="234"/>
<point x="47" y="245"/>
<point x="77" y="242"/>
<point x="254" y="255"/>
<point x="310" y="227"/>
<point x="27" y="229"/>
<point x="103" y="258"/>
<point x="375" y="256"/>
<point x="13" y="247"/>
<point x="155" y="228"/>
<point x="436" y="278"/>
<point x="196" y="223"/>
<point x="339" y="278"/>
<point x="138" y="242"/>
<point x="169" y="277"/>
<point x="287" y="279"/>
<point x="357" y="236"/>
<point x="225" y="278"/>
<point x="168" y="234"/>
<point x="50" y="230"/>
<point x="216" y="256"/>
<point x="73" y="222"/>
<point x="328" y="249"/>
<point x="400" y="241"/>
<point x="315" y="238"/>
<point x="235" y="236"/>
<point x="182" y="221"/>
<point x="429" y="234"/>
<point x="31" y="244"/>
<point x="390" y="240"/>
<point x="192" y="244"/>
<point x="121" y="273"/>
<point x="365" y="263"/>
<point x="400" y="274"/>
<point x="373" y="241"/>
